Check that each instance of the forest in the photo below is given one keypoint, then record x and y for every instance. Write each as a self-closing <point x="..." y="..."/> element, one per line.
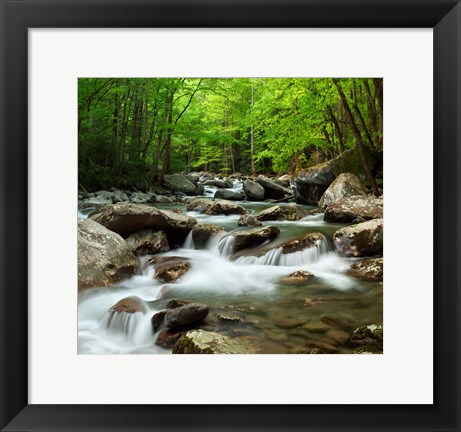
<point x="132" y="131"/>
<point x="230" y="216"/>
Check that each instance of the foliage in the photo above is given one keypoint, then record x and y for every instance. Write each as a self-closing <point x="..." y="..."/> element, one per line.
<point x="132" y="129"/>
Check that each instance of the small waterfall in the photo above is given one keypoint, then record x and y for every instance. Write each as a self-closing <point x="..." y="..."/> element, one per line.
<point x="189" y="242"/>
<point x="276" y="257"/>
<point x="221" y="244"/>
<point x="132" y="327"/>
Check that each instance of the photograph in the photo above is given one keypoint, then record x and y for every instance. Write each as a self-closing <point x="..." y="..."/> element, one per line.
<point x="230" y="215"/>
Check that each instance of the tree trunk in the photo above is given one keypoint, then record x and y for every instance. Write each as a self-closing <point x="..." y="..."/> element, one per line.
<point x="358" y="138"/>
<point x="252" y="145"/>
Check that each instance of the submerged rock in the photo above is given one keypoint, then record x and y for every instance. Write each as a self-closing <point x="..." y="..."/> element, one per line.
<point x="299" y="277"/>
<point x="127" y="218"/>
<point x="224" y="207"/>
<point x="148" y="242"/>
<point x="347" y="210"/>
<point x="289" y="212"/>
<point x="201" y="234"/>
<point x="179" y="183"/>
<point x="254" y="191"/>
<point x="345" y="185"/>
<point x="368" y="269"/>
<point x="205" y="342"/>
<point x="248" y="220"/>
<point x="254" y="237"/>
<point x="199" y="204"/>
<point x="187" y="315"/>
<point x="363" y="239"/>
<point x="171" y="269"/>
<point x="130" y="305"/>
<point x="104" y="258"/>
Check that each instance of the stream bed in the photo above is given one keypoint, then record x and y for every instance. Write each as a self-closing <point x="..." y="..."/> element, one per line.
<point x="275" y="317"/>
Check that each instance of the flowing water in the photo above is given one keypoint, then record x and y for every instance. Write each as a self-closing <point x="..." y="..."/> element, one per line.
<point x="276" y="317"/>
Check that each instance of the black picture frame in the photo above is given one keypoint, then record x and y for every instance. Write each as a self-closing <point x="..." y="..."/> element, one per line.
<point x="17" y="16"/>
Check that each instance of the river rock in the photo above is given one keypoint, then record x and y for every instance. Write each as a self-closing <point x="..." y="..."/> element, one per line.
<point x="142" y="198"/>
<point x="175" y="303"/>
<point x="350" y="209"/>
<point x="253" y="190"/>
<point x="148" y="242"/>
<point x="192" y="177"/>
<point x="289" y="212"/>
<point x="205" y="342"/>
<point x="220" y="184"/>
<point x="299" y="277"/>
<point x="311" y="183"/>
<point x="248" y="220"/>
<point x="178" y="183"/>
<point x="163" y="199"/>
<point x="363" y="239"/>
<point x="201" y="233"/>
<point x="157" y="320"/>
<point x="199" y="189"/>
<point x="368" y="269"/>
<point x="104" y="258"/>
<point x="228" y="194"/>
<point x="168" y="337"/>
<point x="272" y="190"/>
<point x="367" y="336"/>
<point x="127" y="218"/>
<point x="301" y="243"/>
<point x="187" y="315"/>
<point x="130" y="305"/>
<point x="199" y="204"/>
<point x="345" y="185"/>
<point x="254" y="237"/>
<point x="95" y="202"/>
<point x="224" y="207"/>
<point x="170" y="269"/>
<point x="119" y="196"/>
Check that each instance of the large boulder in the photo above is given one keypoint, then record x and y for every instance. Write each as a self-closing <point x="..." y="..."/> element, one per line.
<point x="127" y="218"/>
<point x="179" y="183"/>
<point x="311" y="183"/>
<point x="345" y="185"/>
<point x="228" y="194"/>
<point x="186" y="316"/>
<point x="224" y="207"/>
<point x="273" y="190"/>
<point x="199" y="204"/>
<point x="148" y="242"/>
<point x="368" y="269"/>
<point x="355" y="208"/>
<point x="363" y="239"/>
<point x="205" y="342"/>
<point x="289" y="212"/>
<point x="170" y="269"/>
<point x="104" y="258"/>
<point x="254" y="237"/>
<point x="253" y="190"/>
<point x="201" y="233"/>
